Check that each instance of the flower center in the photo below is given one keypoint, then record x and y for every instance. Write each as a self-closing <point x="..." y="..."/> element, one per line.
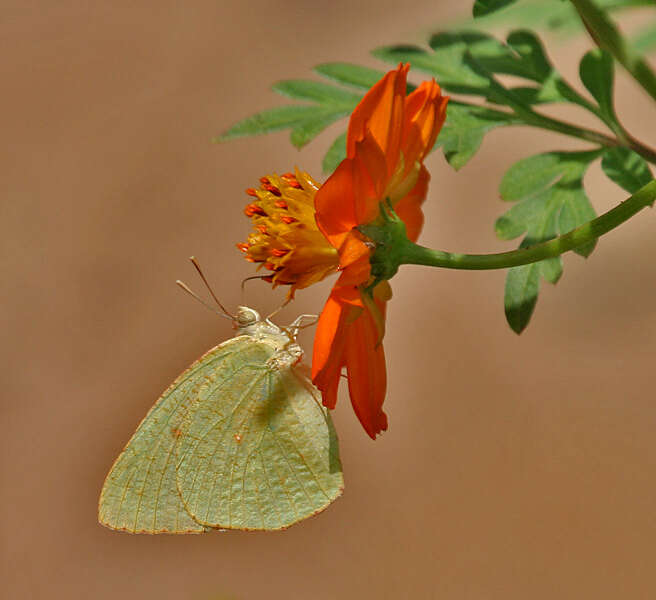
<point x="285" y="237"/>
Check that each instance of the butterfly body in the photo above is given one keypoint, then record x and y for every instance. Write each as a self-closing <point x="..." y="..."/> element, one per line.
<point x="238" y="441"/>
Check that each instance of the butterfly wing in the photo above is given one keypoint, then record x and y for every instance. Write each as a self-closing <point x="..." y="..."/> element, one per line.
<point x="259" y="452"/>
<point x="140" y="493"/>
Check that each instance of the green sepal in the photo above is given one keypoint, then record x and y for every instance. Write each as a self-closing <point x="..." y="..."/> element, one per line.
<point x="389" y="238"/>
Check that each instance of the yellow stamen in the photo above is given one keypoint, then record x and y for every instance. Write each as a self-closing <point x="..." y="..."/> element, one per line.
<point x="285" y="237"/>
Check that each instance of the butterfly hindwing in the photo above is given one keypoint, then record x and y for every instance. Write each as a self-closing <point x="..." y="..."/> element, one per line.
<point x="140" y="493"/>
<point x="238" y="441"/>
<point x="257" y="451"/>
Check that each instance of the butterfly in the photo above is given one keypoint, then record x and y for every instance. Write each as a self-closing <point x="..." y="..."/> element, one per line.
<point x="239" y="440"/>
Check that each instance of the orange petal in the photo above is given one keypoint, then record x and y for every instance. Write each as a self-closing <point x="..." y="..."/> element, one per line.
<point x="328" y="350"/>
<point x="365" y="364"/>
<point x="409" y="210"/>
<point x="357" y="273"/>
<point x="370" y="178"/>
<point x="352" y="249"/>
<point x="348" y="198"/>
<point x="381" y="113"/>
<point x="424" y="116"/>
<point x="335" y="204"/>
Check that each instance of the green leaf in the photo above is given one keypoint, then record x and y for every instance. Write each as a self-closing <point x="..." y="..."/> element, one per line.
<point x="267" y="121"/>
<point x="467" y="62"/>
<point x="306" y="131"/>
<point x="549" y="15"/>
<point x="447" y="63"/>
<point x="349" y="74"/>
<point x="607" y="35"/>
<point x="464" y="128"/>
<point x="626" y="168"/>
<point x="306" y="121"/>
<point x="315" y="91"/>
<point x="597" y="74"/>
<point x="550" y="200"/>
<point x="532" y="56"/>
<point x="486" y="7"/>
<point x="645" y="40"/>
<point x="521" y="294"/>
<point x="335" y="155"/>
<point x="551" y="269"/>
<point x="574" y="213"/>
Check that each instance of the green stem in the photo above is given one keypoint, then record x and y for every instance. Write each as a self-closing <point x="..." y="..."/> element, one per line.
<point x="413" y="254"/>
<point x="606" y="35"/>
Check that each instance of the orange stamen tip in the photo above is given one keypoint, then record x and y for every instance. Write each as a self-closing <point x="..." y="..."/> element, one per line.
<point x="261" y="228"/>
<point x="287" y="219"/>
<point x="251" y="192"/>
<point x="291" y="180"/>
<point x="272" y="188"/>
<point x="279" y="252"/>
<point x="281" y="204"/>
<point x="242" y="246"/>
<point x="270" y="266"/>
<point x="264" y="180"/>
<point x="254" y="209"/>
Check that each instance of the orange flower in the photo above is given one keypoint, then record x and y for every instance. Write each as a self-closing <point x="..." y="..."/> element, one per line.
<point x="285" y="237"/>
<point x="388" y="137"/>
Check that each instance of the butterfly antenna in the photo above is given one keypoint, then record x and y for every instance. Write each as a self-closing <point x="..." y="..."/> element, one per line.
<point x="202" y="276"/>
<point x="197" y="297"/>
<point x="243" y="283"/>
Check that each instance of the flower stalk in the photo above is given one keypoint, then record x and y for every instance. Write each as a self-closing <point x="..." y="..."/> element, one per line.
<point x="394" y="249"/>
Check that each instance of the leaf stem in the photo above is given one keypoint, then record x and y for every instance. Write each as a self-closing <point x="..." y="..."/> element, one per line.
<point x="537" y="120"/>
<point x="626" y="140"/>
<point x="414" y="254"/>
<point x="643" y="150"/>
<point x="529" y="116"/>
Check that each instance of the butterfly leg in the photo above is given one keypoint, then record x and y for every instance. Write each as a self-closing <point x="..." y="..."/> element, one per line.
<point x="298" y="323"/>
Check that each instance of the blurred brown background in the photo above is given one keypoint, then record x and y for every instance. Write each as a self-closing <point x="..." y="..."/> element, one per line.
<point x="514" y="467"/>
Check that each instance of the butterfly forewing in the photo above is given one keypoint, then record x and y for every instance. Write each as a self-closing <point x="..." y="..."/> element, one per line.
<point x="258" y="452"/>
<point x="140" y="493"/>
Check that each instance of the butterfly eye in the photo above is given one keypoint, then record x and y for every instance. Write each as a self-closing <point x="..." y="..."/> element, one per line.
<point x="246" y="316"/>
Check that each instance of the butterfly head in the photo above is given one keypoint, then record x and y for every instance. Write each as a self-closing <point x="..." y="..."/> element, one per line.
<point x="246" y="317"/>
<point x="249" y="322"/>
